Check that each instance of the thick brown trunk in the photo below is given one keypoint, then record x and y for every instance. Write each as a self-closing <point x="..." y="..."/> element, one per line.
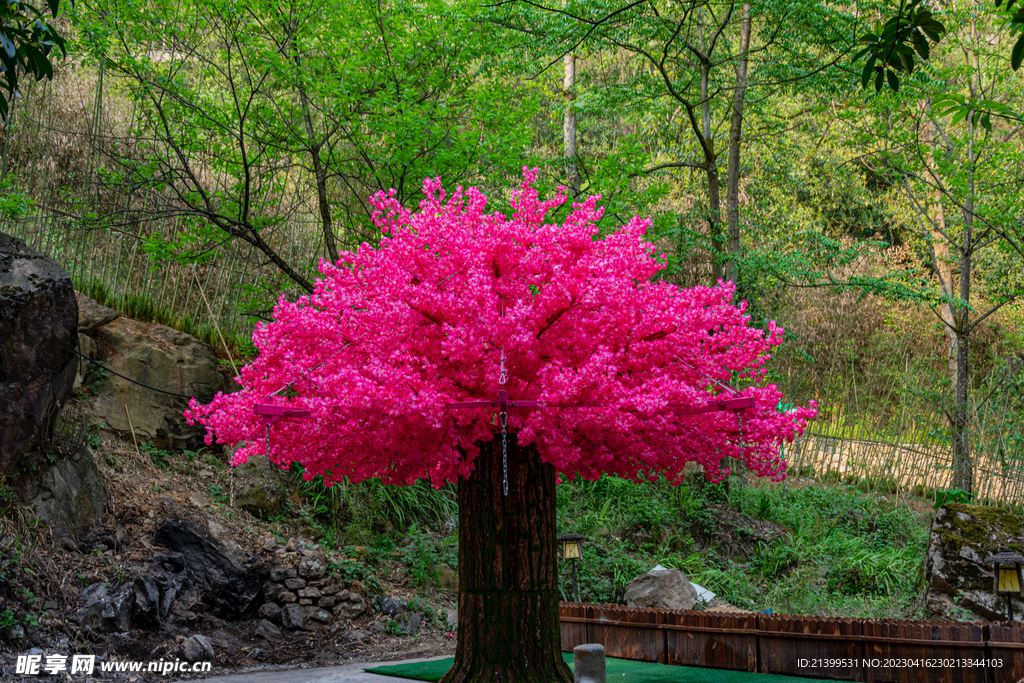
<point x="508" y="572"/>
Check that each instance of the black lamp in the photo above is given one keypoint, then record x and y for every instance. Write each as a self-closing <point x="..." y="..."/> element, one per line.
<point x="1007" y="579"/>
<point x="571" y="550"/>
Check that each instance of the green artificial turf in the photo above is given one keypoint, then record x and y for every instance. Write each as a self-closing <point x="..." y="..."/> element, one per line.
<point x="616" y="670"/>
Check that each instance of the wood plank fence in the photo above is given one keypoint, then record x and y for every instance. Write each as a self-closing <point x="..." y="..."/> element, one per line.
<point x="869" y="650"/>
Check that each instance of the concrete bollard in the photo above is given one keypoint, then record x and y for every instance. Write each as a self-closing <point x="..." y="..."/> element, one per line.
<point x="588" y="663"/>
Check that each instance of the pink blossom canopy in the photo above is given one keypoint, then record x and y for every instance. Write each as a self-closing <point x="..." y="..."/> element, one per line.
<point x="393" y="334"/>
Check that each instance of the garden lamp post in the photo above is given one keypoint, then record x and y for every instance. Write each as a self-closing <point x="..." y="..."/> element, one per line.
<point x="571" y="544"/>
<point x="1007" y="580"/>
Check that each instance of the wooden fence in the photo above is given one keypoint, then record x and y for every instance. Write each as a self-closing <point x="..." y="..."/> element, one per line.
<point x="882" y="650"/>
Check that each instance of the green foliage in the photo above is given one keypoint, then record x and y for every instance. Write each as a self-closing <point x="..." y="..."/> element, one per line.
<point x="218" y="494"/>
<point x="8" y="497"/>
<point x="423" y="556"/>
<point x="846" y="552"/>
<point x="14" y="204"/>
<point x="160" y="457"/>
<point x="952" y="495"/>
<point x="27" y="41"/>
<point x="891" y="46"/>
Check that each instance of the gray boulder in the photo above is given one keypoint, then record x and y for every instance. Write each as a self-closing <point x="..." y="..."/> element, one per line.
<point x="228" y="589"/>
<point x="321" y="615"/>
<point x="313" y="566"/>
<point x="197" y="649"/>
<point x="159" y="357"/>
<point x="270" y="611"/>
<point x="661" y="588"/>
<point x="959" y="582"/>
<point x="262" y="490"/>
<point x="300" y="617"/>
<point x="106" y="611"/>
<point x="350" y="605"/>
<point x="409" y="622"/>
<point x="92" y="314"/>
<point x="389" y="606"/>
<point x="268" y="631"/>
<point x="282" y="573"/>
<point x="71" y="495"/>
<point x="38" y="337"/>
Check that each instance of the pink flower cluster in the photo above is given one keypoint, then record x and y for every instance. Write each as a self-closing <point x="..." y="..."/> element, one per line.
<point x="393" y="334"/>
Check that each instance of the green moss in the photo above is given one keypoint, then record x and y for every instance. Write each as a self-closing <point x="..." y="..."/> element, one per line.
<point x="977" y="531"/>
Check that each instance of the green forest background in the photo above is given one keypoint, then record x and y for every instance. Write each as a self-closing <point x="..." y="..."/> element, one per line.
<point x="855" y="167"/>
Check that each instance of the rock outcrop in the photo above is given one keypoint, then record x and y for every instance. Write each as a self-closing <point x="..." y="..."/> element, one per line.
<point x="661" y="588"/>
<point x="959" y="583"/>
<point x="38" y="337"/>
<point x="227" y="589"/>
<point x="92" y="314"/>
<point x="71" y="496"/>
<point x="159" y="357"/>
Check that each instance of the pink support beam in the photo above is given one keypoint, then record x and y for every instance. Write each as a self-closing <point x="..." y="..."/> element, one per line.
<point x="271" y="413"/>
<point x="739" y="403"/>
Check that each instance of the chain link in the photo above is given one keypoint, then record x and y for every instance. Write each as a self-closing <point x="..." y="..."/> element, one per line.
<point x="266" y="472"/>
<point x="504" y="453"/>
<point x="739" y="415"/>
<point x="502" y="373"/>
<point x="742" y="465"/>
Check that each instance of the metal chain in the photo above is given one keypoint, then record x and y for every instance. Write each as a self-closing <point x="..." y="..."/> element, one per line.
<point x="739" y="414"/>
<point x="504" y="453"/>
<point x="742" y="464"/>
<point x="266" y="472"/>
<point x="502" y="378"/>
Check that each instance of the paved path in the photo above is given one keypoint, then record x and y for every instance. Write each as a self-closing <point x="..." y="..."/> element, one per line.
<point x="350" y="673"/>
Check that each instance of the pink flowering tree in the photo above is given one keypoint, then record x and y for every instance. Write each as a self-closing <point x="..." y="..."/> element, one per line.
<point x="612" y="359"/>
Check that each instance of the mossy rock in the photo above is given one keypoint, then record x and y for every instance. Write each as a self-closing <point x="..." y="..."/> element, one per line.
<point x="962" y="536"/>
<point x="986" y="530"/>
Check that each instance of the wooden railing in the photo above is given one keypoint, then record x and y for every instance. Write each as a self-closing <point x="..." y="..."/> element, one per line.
<point x="841" y="649"/>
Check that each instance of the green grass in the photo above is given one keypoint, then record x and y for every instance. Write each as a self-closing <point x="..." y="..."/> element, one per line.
<point x="615" y="670"/>
<point x="144" y="308"/>
<point x="843" y="552"/>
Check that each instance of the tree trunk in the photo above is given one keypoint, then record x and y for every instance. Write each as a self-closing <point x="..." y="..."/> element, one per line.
<point x="569" y="123"/>
<point x="715" y="219"/>
<point x="963" y="466"/>
<point x="732" y="181"/>
<point x="938" y="236"/>
<point x="508" y="572"/>
<point x="710" y="163"/>
<point x="320" y="172"/>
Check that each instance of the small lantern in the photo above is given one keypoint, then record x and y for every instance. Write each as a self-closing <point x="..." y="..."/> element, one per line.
<point x="1007" y="580"/>
<point x="571" y="550"/>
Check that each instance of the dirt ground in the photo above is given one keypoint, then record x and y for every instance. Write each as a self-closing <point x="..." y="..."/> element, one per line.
<point x="41" y="582"/>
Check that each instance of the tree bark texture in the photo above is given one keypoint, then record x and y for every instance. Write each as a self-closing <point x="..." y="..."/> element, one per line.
<point x="732" y="180"/>
<point x="938" y="235"/>
<point x="715" y="219"/>
<point x="569" y="123"/>
<point x="508" y="572"/>
<point x="710" y="163"/>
